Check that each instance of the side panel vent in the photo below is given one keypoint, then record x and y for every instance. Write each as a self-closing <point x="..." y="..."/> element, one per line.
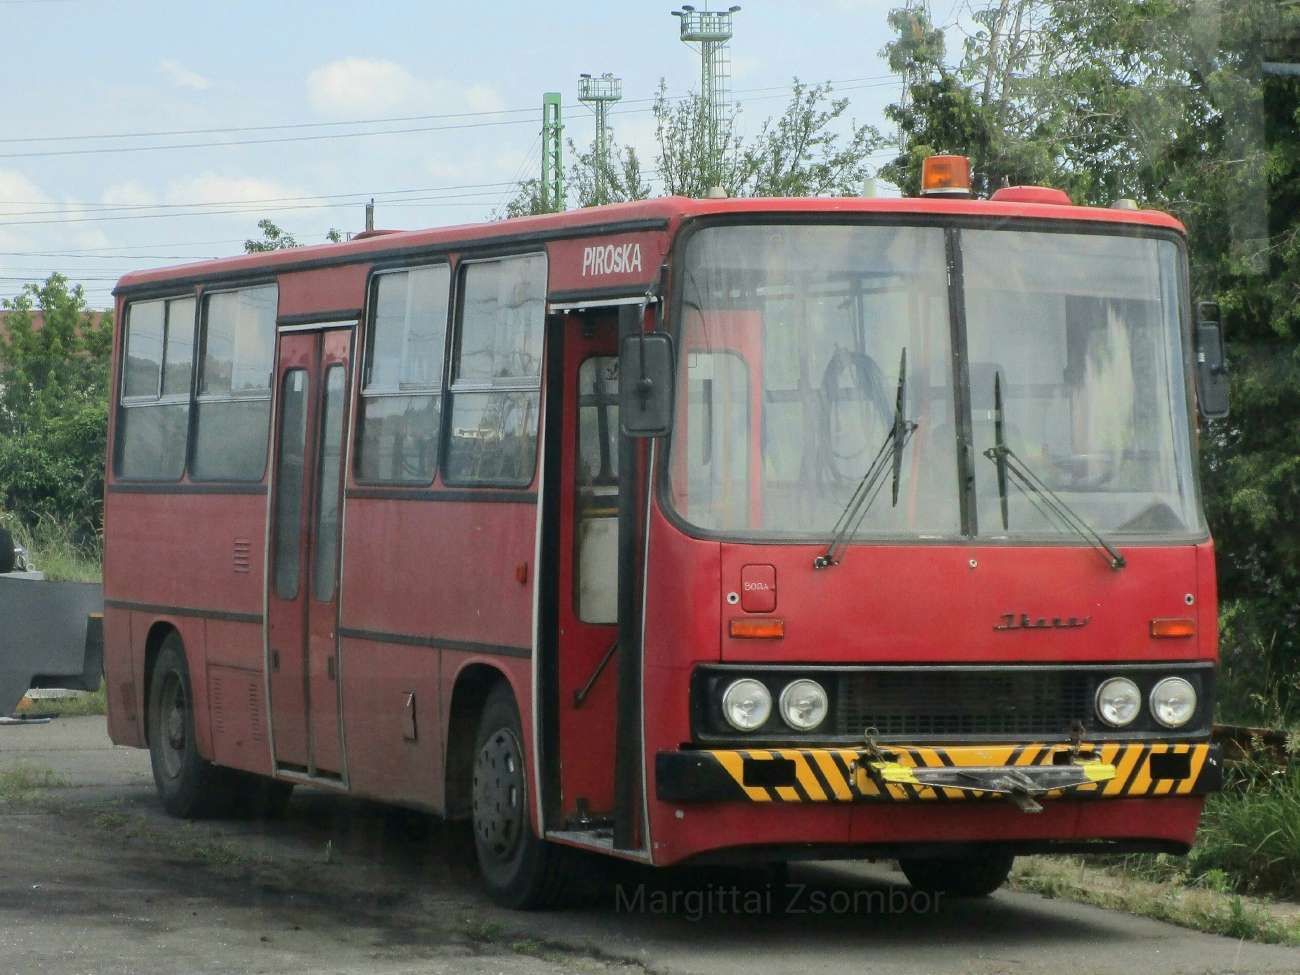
<point x="243" y="549"/>
<point x="238" y="719"/>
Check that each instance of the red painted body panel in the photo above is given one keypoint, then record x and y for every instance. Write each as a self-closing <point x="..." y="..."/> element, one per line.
<point x="925" y="604"/>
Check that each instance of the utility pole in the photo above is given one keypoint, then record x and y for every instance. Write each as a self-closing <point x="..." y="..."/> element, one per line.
<point x="552" y="154"/>
<point x="598" y="94"/>
<point x="370" y="215"/>
<point x="711" y="30"/>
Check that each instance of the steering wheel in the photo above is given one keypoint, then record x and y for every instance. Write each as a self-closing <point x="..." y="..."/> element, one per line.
<point x="868" y="379"/>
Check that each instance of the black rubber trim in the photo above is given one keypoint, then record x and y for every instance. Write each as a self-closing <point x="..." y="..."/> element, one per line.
<point x="171" y="487"/>
<point x="469" y="245"/>
<point x="693" y="777"/>
<point x="334" y="318"/>
<point x="483" y="495"/>
<point x="164" y="610"/>
<point x="599" y="294"/>
<point x="436" y="642"/>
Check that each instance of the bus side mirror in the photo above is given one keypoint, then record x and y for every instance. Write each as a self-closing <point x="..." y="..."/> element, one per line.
<point x="1211" y="363"/>
<point x="646" y="374"/>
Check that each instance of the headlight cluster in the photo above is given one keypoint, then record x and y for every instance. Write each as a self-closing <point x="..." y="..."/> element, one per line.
<point x="747" y="704"/>
<point x="1172" y="702"/>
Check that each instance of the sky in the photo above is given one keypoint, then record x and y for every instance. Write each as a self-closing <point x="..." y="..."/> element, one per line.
<point x="145" y="133"/>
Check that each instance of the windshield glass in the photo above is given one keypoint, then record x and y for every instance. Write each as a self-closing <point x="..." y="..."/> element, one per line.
<point x="790" y="347"/>
<point x="790" y="341"/>
<point x="1085" y="333"/>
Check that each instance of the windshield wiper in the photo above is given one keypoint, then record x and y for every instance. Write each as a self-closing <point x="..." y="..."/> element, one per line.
<point x="889" y="454"/>
<point x="1039" y="494"/>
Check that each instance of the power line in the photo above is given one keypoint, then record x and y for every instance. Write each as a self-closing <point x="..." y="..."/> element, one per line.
<point x="281" y="140"/>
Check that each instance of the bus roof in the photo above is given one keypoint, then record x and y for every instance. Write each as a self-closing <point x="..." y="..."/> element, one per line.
<point x="662" y="213"/>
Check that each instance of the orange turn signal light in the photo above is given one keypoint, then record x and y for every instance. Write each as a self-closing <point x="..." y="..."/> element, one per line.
<point x="764" y="628"/>
<point x="1175" y="628"/>
<point x="945" y="176"/>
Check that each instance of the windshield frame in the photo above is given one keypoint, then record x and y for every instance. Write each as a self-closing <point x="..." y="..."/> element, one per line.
<point x="952" y="225"/>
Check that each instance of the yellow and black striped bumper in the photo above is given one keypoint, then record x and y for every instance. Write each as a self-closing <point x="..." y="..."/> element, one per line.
<point x="1119" y="770"/>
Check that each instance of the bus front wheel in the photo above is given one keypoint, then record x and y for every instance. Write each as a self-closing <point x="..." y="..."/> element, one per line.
<point x="188" y="786"/>
<point x="520" y="870"/>
<point x="970" y="876"/>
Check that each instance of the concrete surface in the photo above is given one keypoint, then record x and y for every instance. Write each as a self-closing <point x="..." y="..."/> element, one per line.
<point x="95" y="878"/>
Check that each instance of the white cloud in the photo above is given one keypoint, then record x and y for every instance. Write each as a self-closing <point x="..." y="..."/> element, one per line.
<point x="355" y="86"/>
<point x="481" y="98"/>
<point x="212" y="189"/>
<point x="17" y="190"/>
<point x="182" y="78"/>
<point x="360" y="87"/>
<point x="129" y="193"/>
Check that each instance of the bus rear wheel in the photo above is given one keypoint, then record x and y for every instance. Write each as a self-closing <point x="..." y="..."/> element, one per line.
<point x="520" y="870"/>
<point x="189" y="786"/>
<point x="970" y="876"/>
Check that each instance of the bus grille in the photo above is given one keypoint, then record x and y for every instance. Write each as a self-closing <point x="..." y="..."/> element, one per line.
<point x="985" y="703"/>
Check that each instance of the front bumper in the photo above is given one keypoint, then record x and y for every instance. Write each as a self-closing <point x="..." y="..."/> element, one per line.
<point x="1108" y="770"/>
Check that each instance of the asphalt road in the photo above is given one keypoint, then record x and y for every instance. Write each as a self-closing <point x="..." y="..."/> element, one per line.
<point x="94" y="878"/>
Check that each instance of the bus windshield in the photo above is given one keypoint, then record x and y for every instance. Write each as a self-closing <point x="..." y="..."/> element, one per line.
<point x="792" y="341"/>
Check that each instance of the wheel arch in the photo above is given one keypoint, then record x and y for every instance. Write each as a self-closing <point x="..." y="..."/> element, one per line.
<point x="158" y="632"/>
<point x="474" y="682"/>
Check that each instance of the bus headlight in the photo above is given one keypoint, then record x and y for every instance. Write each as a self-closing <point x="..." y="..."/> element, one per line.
<point x="746" y="704"/>
<point x="1173" y="702"/>
<point x="1118" y="701"/>
<point x="804" y="704"/>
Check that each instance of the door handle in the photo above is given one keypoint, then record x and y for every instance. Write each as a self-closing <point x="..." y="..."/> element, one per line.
<point x="275" y="661"/>
<point x="329" y="668"/>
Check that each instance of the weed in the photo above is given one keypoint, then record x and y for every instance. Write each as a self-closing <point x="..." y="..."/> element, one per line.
<point x="1118" y="888"/>
<point x="25" y="782"/>
<point x="329" y="851"/>
<point x="80" y="705"/>
<point x="108" y="819"/>
<point x="212" y="851"/>
<point x="59" y="549"/>
<point x="527" y="947"/>
<point x="485" y="931"/>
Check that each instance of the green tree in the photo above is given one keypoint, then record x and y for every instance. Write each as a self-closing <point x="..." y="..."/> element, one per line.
<point x="273" y="239"/>
<point x="800" y="154"/>
<point x="623" y="179"/>
<point x="54" y="405"/>
<point x="1165" y="101"/>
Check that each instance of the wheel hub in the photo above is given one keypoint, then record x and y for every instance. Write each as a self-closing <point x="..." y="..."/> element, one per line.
<point x="500" y="815"/>
<point x="175" y="725"/>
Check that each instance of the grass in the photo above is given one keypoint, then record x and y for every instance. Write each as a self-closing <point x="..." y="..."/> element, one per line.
<point x="1247" y="853"/>
<point x="1250" y="835"/>
<point x="59" y="549"/>
<point x="1202" y="908"/>
<point x="25" y="782"/>
<point x="78" y="705"/>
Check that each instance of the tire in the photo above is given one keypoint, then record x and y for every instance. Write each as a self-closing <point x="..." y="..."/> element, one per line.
<point x="189" y="786"/>
<point x="520" y="871"/>
<point x="973" y="876"/>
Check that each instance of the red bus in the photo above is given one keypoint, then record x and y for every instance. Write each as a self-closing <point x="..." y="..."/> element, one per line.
<point x="711" y="530"/>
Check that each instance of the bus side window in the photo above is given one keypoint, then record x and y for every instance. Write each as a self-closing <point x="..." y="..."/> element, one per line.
<point x="154" y="419"/>
<point x="401" y="395"/>
<point x="237" y="343"/>
<point x="497" y="378"/>
<point x="595" y="562"/>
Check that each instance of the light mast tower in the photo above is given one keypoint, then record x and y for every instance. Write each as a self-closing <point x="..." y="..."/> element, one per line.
<point x="598" y="94"/>
<point x="711" y="30"/>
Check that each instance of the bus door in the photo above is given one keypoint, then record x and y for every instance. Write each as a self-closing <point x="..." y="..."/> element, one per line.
<point x="588" y="578"/>
<point x="303" y="583"/>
